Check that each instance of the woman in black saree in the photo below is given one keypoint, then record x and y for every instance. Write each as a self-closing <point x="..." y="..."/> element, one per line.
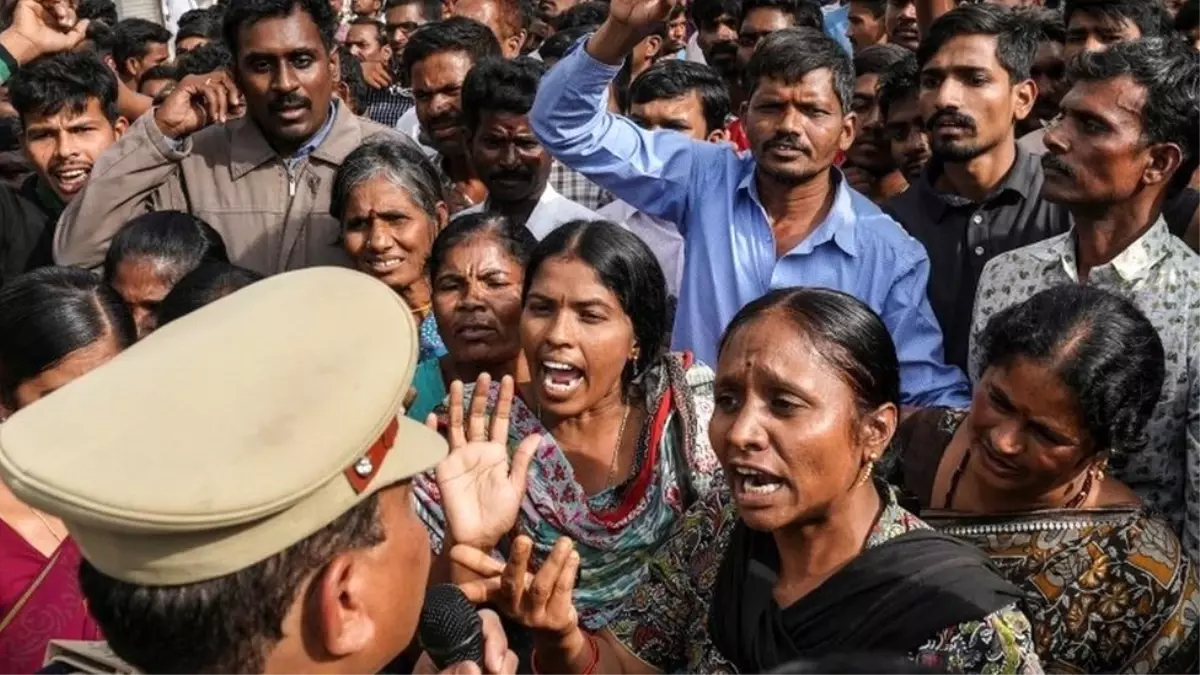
<point x="803" y="554"/>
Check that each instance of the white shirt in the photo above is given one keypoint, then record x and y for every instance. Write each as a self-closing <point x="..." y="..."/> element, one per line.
<point x="552" y="210"/>
<point x="661" y="236"/>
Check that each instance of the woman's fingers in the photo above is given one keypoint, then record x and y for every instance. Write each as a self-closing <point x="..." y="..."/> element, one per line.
<point x="431" y="421"/>
<point x="521" y="459"/>
<point x="476" y="561"/>
<point x="481" y="591"/>
<point x="513" y="579"/>
<point x="456" y="437"/>
<point x="546" y="579"/>
<point x="564" y="587"/>
<point x="477" y="419"/>
<point x="499" y="430"/>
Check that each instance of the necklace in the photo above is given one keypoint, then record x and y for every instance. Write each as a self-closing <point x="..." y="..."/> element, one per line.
<point x="46" y="524"/>
<point x="421" y="311"/>
<point x="612" y="465"/>
<point x="1073" y="503"/>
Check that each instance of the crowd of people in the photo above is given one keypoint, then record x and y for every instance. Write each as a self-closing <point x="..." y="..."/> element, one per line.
<point x="704" y="336"/>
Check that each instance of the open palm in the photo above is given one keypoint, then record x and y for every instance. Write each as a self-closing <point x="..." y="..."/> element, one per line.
<point x="481" y="489"/>
<point x="640" y="12"/>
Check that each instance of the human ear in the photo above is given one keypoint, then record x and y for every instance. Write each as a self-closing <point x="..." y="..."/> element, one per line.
<point x="345" y="624"/>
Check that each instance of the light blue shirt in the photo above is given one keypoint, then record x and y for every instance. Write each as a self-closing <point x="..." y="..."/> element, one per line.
<point x="837" y="21"/>
<point x="710" y="193"/>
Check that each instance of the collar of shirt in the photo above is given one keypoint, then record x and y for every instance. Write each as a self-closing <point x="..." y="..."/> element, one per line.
<point x="838" y="225"/>
<point x="1134" y="263"/>
<point x="315" y="140"/>
<point x="1019" y="181"/>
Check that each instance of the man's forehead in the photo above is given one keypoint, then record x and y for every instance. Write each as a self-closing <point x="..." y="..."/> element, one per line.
<point x="965" y="51"/>
<point x="1118" y="98"/>
<point x="281" y="34"/>
<point x="1084" y="21"/>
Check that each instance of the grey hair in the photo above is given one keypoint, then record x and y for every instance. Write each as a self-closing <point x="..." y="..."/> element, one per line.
<point x="401" y="164"/>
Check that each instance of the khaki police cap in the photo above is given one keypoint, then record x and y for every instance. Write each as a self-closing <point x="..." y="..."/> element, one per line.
<point x="230" y="434"/>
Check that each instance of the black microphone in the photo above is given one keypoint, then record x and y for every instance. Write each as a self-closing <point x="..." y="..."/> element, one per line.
<point x="450" y="629"/>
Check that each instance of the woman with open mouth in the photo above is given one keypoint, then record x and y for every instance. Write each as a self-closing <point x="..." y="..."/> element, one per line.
<point x="1070" y="380"/>
<point x="607" y="436"/>
<point x="477" y="268"/>
<point x="389" y="199"/>
<point x="803" y="555"/>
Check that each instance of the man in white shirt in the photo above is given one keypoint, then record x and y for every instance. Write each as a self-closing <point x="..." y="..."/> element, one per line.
<point x="687" y="97"/>
<point x="496" y="98"/>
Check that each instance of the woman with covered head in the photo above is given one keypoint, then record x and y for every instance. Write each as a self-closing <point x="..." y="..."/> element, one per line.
<point x="608" y="430"/>
<point x="802" y="553"/>
<point x="1070" y="378"/>
<point x="388" y="197"/>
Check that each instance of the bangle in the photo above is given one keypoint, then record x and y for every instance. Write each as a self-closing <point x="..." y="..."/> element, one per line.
<point x="591" y="666"/>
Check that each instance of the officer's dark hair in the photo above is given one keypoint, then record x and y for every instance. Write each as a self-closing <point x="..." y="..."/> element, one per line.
<point x="67" y="80"/>
<point x="803" y="12"/>
<point x="244" y="13"/>
<point x="204" y="59"/>
<point x="1149" y="16"/>
<point x="500" y="85"/>
<point x="199" y="23"/>
<point x="133" y="39"/>
<point x="589" y="14"/>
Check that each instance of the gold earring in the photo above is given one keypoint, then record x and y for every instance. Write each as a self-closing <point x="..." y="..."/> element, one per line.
<point x="1098" y="470"/>
<point x="867" y="474"/>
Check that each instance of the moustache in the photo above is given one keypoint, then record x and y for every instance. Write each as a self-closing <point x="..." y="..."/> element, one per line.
<point x="787" y="142"/>
<point x="512" y="175"/>
<point x="951" y="119"/>
<point x="1056" y="164"/>
<point x="289" y="102"/>
<point x="444" y="120"/>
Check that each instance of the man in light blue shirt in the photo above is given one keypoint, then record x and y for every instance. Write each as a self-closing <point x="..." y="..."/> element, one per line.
<point x="780" y="218"/>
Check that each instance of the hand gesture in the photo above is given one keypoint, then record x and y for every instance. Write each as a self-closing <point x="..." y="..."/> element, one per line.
<point x="41" y="27"/>
<point x="542" y="602"/>
<point x="481" y="493"/>
<point x="198" y="101"/>
<point x="375" y="74"/>
<point x="640" y="13"/>
<point x="498" y="659"/>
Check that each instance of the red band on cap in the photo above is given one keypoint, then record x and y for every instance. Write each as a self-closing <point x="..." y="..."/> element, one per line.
<point x="364" y="468"/>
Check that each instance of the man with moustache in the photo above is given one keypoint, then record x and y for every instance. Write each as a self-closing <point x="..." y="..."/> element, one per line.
<point x="980" y="194"/>
<point x="869" y="166"/>
<point x="263" y="180"/>
<point x="1048" y="72"/>
<point x="1127" y="141"/>
<point x="867" y="23"/>
<point x="366" y="41"/>
<point x="900" y="17"/>
<point x="780" y="216"/>
<point x="899" y="108"/>
<point x="496" y="99"/>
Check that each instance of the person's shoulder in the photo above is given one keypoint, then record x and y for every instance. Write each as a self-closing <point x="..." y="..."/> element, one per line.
<point x="617" y="211"/>
<point x="878" y="230"/>
<point x="371" y="131"/>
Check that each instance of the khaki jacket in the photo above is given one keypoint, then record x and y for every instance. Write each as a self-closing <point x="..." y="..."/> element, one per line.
<point x="230" y="177"/>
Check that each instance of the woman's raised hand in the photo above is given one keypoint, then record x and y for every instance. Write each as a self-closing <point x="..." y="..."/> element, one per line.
<point x="481" y="491"/>
<point x="543" y="601"/>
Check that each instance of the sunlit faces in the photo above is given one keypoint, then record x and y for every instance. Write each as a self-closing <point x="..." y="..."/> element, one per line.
<point x="968" y="100"/>
<point x="287" y="77"/>
<point x="576" y="337"/>
<point x="784" y="426"/>
<point x="71" y="367"/>
<point x="1095" y="34"/>
<point x="796" y="129"/>
<point x="676" y="34"/>
<point x="437" y="88"/>
<point x="477" y="301"/>
<point x="489" y="13"/>
<point x="1026" y="434"/>
<point x="142" y="283"/>
<point x="508" y="158"/>
<point x="684" y="114"/>
<point x="901" y="21"/>
<point x="870" y="150"/>
<point x="64" y="145"/>
<point x="907" y="140"/>
<point x="865" y="28"/>
<point x="387" y="233"/>
<point x="1096" y="152"/>
<point x="756" y="25"/>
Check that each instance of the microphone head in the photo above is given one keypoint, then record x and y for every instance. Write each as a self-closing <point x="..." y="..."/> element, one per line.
<point x="450" y="629"/>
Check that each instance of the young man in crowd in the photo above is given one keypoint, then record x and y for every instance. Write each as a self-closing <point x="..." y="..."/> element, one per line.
<point x="980" y="195"/>
<point x="898" y="98"/>
<point x="760" y="18"/>
<point x="869" y="167"/>
<point x="676" y="35"/>
<point x="366" y="41"/>
<point x="197" y="28"/>
<point x="158" y="82"/>
<point x="1048" y="72"/>
<point x="901" y="21"/>
<point x="68" y="108"/>
<point x="681" y="96"/>
<point x="779" y="217"/>
<point x="717" y="23"/>
<point x="368" y="8"/>
<point x="300" y="551"/>
<point x="351" y="88"/>
<point x="437" y="59"/>
<point x="402" y="17"/>
<point x="1127" y="141"/>
<point x="139" y="46"/>
<point x="1094" y="25"/>
<point x="505" y="18"/>
<point x="260" y="179"/>
<point x="512" y="164"/>
<point x="867" y="23"/>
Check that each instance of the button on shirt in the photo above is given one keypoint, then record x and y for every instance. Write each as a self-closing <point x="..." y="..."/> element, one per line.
<point x="1160" y="275"/>
<point x="710" y="193"/>
<point x="552" y="211"/>
<point x="961" y="236"/>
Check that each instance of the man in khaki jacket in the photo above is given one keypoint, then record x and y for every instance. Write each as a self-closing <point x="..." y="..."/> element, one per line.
<point x="263" y="180"/>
